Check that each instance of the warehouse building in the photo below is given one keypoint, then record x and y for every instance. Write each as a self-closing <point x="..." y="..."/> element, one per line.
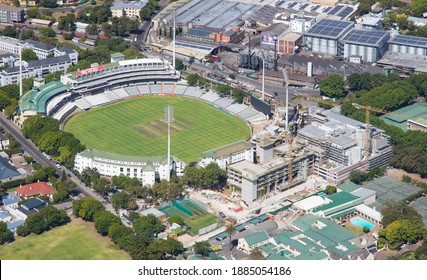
<point x="408" y="44"/>
<point x="324" y="36"/>
<point x="370" y="45"/>
<point x="412" y="117"/>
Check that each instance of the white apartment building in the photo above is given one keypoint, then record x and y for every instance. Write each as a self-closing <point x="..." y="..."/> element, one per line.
<point x="127" y="9"/>
<point x="146" y="169"/>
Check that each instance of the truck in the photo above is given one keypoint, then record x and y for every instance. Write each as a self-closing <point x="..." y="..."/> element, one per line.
<point x="216" y="58"/>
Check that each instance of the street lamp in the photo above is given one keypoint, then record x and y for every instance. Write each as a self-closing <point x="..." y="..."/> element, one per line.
<point x="20" y="63"/>
<point x="275" y="38"/>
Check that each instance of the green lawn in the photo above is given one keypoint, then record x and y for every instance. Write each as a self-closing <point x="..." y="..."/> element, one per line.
<point x="77" y="240"/>
<point x="354" y="229"/>
<point x="136" y="127"/>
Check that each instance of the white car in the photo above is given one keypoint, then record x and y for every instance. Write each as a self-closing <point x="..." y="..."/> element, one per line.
<point x="58" y="165"/>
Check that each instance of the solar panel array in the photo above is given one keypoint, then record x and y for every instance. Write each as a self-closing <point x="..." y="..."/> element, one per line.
<point x="410" y="40"/>
<point x="196" y="32"/>
<point x="327" y="9"/>
<point x="364" y="37"/>
<point x="329" y="27"/>
<point x="336" y="10"/>
<point x="194" y="46"/>
<point x="345" y="12"/>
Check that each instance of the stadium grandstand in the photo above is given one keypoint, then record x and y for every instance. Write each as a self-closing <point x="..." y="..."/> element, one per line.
<point x="105" y="84"/>
<point x="44" y="99"/>
<point x="120" y="73"/>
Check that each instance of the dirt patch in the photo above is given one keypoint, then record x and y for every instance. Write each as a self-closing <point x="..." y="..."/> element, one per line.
<point x="398" y="173"/>
<point x="159" y="128"/>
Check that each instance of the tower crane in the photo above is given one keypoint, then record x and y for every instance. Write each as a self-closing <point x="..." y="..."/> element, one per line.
<point x="368" y="110"/>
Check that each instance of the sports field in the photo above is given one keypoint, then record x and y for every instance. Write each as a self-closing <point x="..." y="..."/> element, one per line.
<point x="200" y="218"/>
<point x="77" y="240"/>
<point x="136" y="127"/>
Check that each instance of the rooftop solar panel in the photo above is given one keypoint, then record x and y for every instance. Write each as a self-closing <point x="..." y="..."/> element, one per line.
<point x="327" y="9"/>
<point x="345" y="12"/>
<point x="365" y="37"/>
<point x="410" y="40"/>
<point x="335" y="10"/>
<point x="303" y="6"/>
<point x="329" y="27"/>
<point x="292" y="5"/>
<point x="315" y="7"/>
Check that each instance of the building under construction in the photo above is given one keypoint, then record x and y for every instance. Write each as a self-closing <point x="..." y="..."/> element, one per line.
<point x="272" y="173"/>
<point x="339" y="144"/>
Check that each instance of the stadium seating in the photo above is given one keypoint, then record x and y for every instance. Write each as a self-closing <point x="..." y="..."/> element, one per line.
<point x="247" y="113"/>
<point x="120" y="93"/>
<point x="64" y="111"/>
<point x="83" y="104"/>
<point x="180" y="89"/>
<point x="236" y="108"/>
<point x="132" y="91"/>
<point x="55" y="101"/>
<point x="168" y="89"/>
<point x="210" y="96"/>
<point x="144" y="89"/>
<point x="193" y="92"/>
<point x="155" y="89"/>
<point x="224" y="102"/>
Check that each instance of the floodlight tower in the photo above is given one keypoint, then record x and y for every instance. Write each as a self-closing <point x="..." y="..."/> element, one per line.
<point x="263" y="74"/>
<point x="174" y="31"/>
<point x="285" y="76"/>
<point x="169" y="118"/>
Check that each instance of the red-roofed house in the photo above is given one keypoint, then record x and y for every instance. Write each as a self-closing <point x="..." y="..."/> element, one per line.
<point x="35" y="189"/>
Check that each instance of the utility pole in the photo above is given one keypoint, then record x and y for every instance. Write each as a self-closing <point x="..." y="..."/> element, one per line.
<point x="263" y="75"/>
<point x="275" y="38"/>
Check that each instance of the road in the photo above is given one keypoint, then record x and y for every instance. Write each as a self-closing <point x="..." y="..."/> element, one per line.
<point x="34" y="152"/>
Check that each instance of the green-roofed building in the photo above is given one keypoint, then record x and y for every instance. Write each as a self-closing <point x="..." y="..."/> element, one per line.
<point x="339" y="202"/>
<point x="229" y="154"/>
<point x="248" y="243"/>
<point x="35" y="101"/>
<point x="412" y="117"/>
<point x="348" y="186"/>
<point x="146" y="169"/>
<point x="117" y="56"/>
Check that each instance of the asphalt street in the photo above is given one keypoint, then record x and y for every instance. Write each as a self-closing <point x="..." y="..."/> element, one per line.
<point x="35" y="153"/>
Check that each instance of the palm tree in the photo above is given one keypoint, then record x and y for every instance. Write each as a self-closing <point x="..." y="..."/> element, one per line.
<point x="231" y="230"/>
<point x="256" y="254"/>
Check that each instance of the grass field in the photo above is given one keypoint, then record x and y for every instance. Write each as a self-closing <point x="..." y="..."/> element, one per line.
<point x="136" y="127"/>
<point x="77" y="240"/>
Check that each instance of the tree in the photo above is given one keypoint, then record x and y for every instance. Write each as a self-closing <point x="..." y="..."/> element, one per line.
<point x="159" y="249"/>
<point x="92" y="29"/>
<point x="102" y="186"/>
<point x="33" y="12"/>
<point x="16" y="3"/>
<point x="60" y="195"/>
<point x="331" y="190"/>
<point x="202" y="248"/>
<point x="47" y="32"/>
<point x="357" y="177"/>
<point x="148" y="226"/>
<point x="49" y="3"/>
<point x="178" y="64"/>
<point x="89" y="208"/>
<point x="36" y="223"/>
<point x="53" y="217"/>
<point x="121" y="200"/>
<point x="29" y="55"/>
<point x="103" y="220"/>
<point x="332" y="86"/>
<point x="133" y="53"/>
<point x="117" y="232"/>
<point x="231" y="230"/>
<point x="194" y="79"/>
<point x="213" y="176"/>
<point x="136" y="246"/>
<point x="5" y="234"/>
<point x="419" y="7"/>
<point x="403" y="231"/>
<point x="145" y="13"/>
<point x="393" y="211"/>
<point x="256" y="254"/>
<point x="177" y="220"/>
